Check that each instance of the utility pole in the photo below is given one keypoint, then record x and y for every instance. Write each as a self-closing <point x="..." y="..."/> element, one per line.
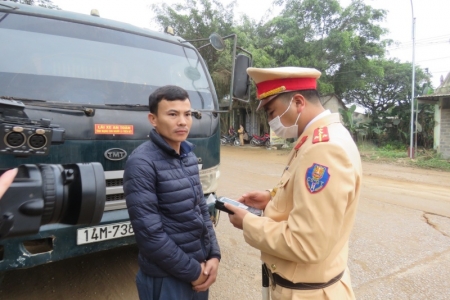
<point x="411" y="153"/>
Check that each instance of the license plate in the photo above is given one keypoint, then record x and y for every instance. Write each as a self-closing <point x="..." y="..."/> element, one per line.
<point x="102" y="233"/>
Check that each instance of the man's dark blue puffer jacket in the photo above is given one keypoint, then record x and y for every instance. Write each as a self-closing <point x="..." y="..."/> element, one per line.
<point x="167" y="210"/>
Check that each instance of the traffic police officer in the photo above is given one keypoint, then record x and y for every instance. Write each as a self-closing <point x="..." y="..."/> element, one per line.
<point x="308" y="216"/>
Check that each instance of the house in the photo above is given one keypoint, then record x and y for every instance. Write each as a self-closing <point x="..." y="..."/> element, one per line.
<point x="441" y="99"/>
<point x="332" y="102"/>
<point x="256" y="123"/>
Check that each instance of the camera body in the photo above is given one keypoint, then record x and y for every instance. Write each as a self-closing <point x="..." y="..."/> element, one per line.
<point x="44" y="193"/>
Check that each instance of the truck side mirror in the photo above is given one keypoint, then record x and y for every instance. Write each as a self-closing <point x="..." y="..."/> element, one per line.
<point x="241" y="82"/>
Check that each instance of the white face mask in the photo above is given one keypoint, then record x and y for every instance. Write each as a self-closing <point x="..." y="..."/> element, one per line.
<point x="283" y="131"/>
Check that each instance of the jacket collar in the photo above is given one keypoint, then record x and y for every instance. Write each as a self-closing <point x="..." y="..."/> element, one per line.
<point x="185" y="147"/>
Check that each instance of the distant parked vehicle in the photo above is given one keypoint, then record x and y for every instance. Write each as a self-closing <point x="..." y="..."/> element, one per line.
<point x="263" y="140"/>
<point x="230" y="140"/>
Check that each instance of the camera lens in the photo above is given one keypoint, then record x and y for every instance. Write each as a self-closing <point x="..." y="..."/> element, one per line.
<point x="73" y="194"/>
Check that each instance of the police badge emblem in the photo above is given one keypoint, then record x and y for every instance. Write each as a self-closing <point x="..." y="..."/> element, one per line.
<point x="317" y="177"/>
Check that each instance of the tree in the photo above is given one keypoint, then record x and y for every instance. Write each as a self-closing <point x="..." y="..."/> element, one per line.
<point x="349" y="121"/>
<point x="197" y="19"/>
<point x="386" y="96"/>
<point x="42" y="3"/>
<point x="345" y="43"/>
<point x="321" y="34"/>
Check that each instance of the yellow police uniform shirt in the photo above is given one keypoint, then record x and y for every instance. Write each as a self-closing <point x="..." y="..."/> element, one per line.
<point x="304" y="233"/>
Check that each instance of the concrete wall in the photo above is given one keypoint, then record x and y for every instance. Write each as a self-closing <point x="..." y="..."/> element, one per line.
<point x="332" y="103"/>
<point x="444" y="144"/>
<point x="437" y="128"/>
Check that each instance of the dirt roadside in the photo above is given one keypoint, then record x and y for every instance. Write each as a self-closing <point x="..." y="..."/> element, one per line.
<point x="402" y="231"/>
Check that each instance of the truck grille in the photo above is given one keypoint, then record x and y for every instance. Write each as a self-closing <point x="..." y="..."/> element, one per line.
<point x="114" y="182"/>
<point x="115" y="198"/>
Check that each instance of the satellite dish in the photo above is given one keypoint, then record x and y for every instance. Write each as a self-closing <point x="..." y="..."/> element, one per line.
<point x="217" y="41"/>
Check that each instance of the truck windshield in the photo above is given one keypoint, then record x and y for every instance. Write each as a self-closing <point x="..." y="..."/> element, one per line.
<point x="60" y="61"/>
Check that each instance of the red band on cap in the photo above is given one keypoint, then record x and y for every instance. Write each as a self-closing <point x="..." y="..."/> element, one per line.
<point x="290" y="84"/>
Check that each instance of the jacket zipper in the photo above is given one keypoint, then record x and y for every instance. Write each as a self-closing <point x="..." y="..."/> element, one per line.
<point x="202" y="238"/>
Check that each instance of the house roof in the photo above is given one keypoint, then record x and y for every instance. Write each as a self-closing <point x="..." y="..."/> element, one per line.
<point x="442" y="91"/>
<point x="327" y="97"/>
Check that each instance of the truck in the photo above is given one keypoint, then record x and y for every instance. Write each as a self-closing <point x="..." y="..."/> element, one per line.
<point x="92" y="77"/>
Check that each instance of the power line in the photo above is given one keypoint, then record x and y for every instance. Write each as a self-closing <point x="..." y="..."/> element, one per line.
<point x="418" y="45"/>
<point x="427" y="39"/>
<point x="436" y="58"/>
<point x="432" y="40"/>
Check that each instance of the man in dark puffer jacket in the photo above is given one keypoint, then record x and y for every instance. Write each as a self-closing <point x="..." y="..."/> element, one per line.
<point x="178" y="251"/>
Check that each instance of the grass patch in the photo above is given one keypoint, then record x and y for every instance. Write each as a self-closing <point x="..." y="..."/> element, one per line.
<point x="425" y="159"/>
<point x="398" y="155"/>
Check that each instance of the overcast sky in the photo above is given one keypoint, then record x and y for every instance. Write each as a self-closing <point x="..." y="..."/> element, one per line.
<point x="432" y="48"/>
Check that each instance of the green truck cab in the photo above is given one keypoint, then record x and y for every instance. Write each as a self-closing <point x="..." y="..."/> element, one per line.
<point x="92" y="77"/>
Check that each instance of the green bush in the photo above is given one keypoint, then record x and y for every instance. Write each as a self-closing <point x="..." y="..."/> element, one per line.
<point x="394" y="145"/>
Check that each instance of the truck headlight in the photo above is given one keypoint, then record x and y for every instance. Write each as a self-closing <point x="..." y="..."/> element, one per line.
<point x="209" y="179"/>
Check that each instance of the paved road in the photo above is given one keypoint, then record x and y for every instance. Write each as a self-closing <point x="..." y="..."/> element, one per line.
<point x="399" y="249"/>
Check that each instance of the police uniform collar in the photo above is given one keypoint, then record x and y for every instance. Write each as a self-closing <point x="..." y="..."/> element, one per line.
<point x="325" y="120"/>
<point x="319" y="116"/>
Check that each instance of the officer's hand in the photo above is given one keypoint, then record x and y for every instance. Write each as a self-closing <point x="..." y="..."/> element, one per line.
<point x="211" y="268"/>
<point x="256" y="199"/>
<point x="202" y="278"/>
<point x="6" y="179"/>
<point x="237" y="218"/>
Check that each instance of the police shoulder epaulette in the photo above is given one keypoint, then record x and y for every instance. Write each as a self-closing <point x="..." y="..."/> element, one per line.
<point x="320" y="135"/>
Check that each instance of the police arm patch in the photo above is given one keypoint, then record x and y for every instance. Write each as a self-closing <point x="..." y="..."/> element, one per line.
<point x="317" y="177"/>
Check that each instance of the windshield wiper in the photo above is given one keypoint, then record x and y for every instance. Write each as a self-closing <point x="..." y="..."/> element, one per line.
<point x="52" y="106"/>
<point x="127" y="105"/>
<point x="133" y="106"/>
<point x="8" y="6"/>
<point x="20" y="99"/>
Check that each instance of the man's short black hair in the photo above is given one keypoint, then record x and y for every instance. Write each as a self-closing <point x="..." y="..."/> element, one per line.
<point x="310" y="95"/>
<point x="167" y="92"/>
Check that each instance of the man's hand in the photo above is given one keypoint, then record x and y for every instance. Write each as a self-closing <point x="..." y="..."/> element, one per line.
<point x="211" y="269"/>
<point x="256" y="199"/>
<point x="237" y="218"/>
<point x="202" y="278"/>
<point x="6" y="179"/>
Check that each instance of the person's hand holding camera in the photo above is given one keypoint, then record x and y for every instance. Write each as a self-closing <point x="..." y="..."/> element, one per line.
<point x="6" y="179"/>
